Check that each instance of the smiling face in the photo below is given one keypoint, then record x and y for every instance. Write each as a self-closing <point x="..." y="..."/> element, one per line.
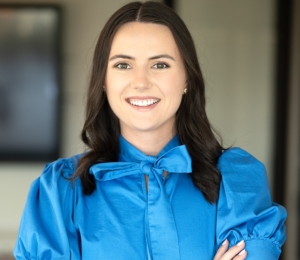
<point x="145" y="79"/>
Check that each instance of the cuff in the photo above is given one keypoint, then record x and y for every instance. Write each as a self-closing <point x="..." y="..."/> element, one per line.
<point x="262" y="249"/>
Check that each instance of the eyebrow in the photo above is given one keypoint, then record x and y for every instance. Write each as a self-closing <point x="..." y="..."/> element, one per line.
<point x="162" y="56"/>
<point x="122" y="56"/>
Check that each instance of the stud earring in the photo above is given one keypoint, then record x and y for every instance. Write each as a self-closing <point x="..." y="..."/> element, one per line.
<point x="104" y="89"/>
<point x="184" y="91"/>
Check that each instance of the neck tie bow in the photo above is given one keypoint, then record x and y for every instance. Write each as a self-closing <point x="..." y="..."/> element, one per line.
<point x="176" y="160"/>
<point x="162" y="226"/>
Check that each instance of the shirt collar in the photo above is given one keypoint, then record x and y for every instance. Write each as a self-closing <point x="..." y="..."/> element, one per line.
<point x="129" y="153"/>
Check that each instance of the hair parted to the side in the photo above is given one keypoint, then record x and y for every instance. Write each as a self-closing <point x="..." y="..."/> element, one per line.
<point x="101" y="129"/>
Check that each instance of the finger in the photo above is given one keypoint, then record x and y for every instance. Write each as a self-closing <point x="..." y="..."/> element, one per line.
<point x="241" y="256"/>
<point x="234" y="251"/>
<point x="222" y="250"/>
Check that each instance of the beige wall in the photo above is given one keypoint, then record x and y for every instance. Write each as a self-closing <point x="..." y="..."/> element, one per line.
<point x="235" y="44"/>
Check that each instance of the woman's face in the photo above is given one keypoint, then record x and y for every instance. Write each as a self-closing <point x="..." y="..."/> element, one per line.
<point x="145" y="78"/>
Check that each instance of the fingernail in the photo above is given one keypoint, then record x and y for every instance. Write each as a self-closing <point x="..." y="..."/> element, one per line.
<point x="242" y="252"/>
<point x="240" y="243"/>
<point x="225" y="242"/>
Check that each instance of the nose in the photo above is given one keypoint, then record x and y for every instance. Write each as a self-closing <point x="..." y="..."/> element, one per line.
<point x="140" y="80"/>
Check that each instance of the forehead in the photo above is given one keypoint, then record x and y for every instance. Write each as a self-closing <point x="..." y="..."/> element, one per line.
<point x="146" y="37"/>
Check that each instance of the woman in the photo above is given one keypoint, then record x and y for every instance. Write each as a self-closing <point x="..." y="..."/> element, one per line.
<point x="155" y="183"/>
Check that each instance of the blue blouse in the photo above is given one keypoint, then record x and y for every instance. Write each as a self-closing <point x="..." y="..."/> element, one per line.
<point x="170" y="220"/>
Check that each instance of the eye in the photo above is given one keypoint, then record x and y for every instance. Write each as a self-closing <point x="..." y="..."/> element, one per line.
<point x="161" y="65"/>
<point x="122" y="66"/>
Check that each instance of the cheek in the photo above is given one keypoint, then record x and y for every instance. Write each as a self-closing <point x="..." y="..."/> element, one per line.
<point x="173" y="97"/>
<point x="115" y="84"/>
<point x="174" y="86"/>
<point x="109" y="82"/>
<point x="113" y="87"/>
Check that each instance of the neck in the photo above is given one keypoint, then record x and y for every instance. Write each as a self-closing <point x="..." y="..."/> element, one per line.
<point x="148" y="143"/>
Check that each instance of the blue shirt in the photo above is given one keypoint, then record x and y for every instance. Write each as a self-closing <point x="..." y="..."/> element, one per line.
<point x="172" y="220"/>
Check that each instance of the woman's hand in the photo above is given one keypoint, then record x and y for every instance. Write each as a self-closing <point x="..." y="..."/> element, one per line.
<point x="237" y="252"/>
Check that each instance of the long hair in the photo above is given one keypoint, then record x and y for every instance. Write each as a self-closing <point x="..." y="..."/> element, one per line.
<point x="101" y="129"/>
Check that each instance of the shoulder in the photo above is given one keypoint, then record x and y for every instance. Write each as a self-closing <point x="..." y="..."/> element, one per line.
<point x="66" y="166"/>
<point x="237" y="157"/>
<point x="55" y="185"/>
<point x="238" y="167"/>
<point x="59" y="171"/>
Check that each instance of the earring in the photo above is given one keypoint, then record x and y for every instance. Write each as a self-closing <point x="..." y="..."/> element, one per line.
<point x="184" y="91"/>
<point x="104" y="89"/>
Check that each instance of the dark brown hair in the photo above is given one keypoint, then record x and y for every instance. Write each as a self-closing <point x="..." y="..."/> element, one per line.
<point x="101" y="128"/>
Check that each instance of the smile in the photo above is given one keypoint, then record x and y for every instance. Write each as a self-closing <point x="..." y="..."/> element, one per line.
<point x="142" y="103"/>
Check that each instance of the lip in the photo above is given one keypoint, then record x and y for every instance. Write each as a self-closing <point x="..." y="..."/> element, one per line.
<point x="134" y="100"/>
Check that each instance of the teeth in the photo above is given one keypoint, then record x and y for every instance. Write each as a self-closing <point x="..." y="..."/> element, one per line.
<point x="143" y="103"/>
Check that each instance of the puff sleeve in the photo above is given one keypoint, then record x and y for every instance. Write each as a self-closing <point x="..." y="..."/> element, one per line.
<point x="245" y="209"/>
<point x="46" y="229"/>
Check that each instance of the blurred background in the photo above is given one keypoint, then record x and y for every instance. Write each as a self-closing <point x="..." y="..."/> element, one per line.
<point x="250" y="55"/>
